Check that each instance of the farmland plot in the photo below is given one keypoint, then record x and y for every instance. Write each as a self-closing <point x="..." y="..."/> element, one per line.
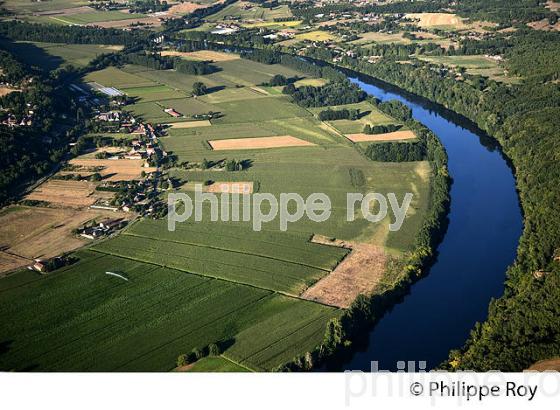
<point x="82" y="319"/>
<point x="267" y="272"/>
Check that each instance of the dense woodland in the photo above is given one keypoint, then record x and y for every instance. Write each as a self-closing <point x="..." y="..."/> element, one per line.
<point x="16" y="30"/>
<point x="333" y="93"/>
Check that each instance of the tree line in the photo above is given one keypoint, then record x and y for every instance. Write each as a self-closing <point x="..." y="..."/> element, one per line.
<point x="333" y="93"/>
<point x="17" y="30"/>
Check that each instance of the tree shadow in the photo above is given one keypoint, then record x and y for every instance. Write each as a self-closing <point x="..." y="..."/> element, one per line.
<point x="32" y="55"/>
<point x="246" y="163"/>
<point x="5" y="346"/>
<point x="363" y="114"/>
<point x="223" y="345"/>
<point x="215" y="89"/>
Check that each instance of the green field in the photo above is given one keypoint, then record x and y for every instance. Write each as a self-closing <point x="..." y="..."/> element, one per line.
<point x="474" y="65"/>
<point x="80" y="319"/>
<point x="114" y="77"/>
<point x="216" y="364"/>
<point x="96" y="17"/>
<point x="49" y="56"/>
<point x="29" y="6"/>
<point x="474" y="61"/>
<point x="368" y="115"/>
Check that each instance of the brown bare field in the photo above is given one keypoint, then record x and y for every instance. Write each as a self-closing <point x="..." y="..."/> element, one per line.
<point x="388" y="136"/>
<point x="9" y="262"/>
<point x="544" y="25"/>
<point x="7" y="90"/>
<point x="190" y="124"/>
<point x="34" y="232"/>
<point x="114" y="169"/>
<point x="359" y="273"/>
<point x="203" y="55"/>
<point x="245" y="187"/>
<point x="260" y="90"/>
<point x="552" y="5"/>
<point x="220" y="187"/>
<point x="184" y="8"/>
<point x="66" y="193"/>
<point x="544" y="365"/>
<point x="259" y="143"/>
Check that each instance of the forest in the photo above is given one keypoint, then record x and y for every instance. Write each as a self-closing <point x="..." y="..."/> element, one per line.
<point x="333" y="93"/>
<point x="17" y="30"/>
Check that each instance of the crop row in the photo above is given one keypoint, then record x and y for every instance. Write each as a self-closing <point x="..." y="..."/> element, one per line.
<point x="243" y="268"/>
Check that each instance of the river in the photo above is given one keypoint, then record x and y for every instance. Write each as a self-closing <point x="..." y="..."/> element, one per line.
<point x="485" y="223"/>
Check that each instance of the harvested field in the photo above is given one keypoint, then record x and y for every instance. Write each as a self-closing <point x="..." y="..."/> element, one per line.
<point x="544" y="25"/>
<point x="181" y="9"/>
<point x="232" y="187"/>
<point x="357" y="274"/>
<point x="315" y="35"/>
<point x="312" y="82"/>
<point x="115" y="169"/>
<point x="220" y="187"/>
<point x="203" y="55"/>
<point x="546" y="365"/>
<point x="552" y="5"/>
<point x="33" y="232"/>
<point x="388" y="136"/>
<point x="7" y="90"/>
<point x="189" y="124"/>
<point x="259" y="143"/>
<point x="66" y="193"/>
<point x="429" y="20"/>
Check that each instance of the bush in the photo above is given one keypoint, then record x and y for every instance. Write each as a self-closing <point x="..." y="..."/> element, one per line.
<point x="214" y="350"/>
<point x="182" y="360"/>
<point x="199" y="89"/>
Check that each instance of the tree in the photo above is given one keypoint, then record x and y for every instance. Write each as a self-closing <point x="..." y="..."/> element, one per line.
<point x="199" y="88"/>
<point x="213" y="350"/>
<point x="96" y="177"/>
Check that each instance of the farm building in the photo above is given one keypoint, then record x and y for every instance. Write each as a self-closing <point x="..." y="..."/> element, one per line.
<point x="172" y="112"/>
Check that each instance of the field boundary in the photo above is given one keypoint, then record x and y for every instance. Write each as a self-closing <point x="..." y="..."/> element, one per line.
<point x="279" y="292"/>
<point x="310" y="322"/>
<point x="231" y="250"/>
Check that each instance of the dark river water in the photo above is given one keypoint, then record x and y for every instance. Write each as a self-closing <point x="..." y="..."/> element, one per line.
<point x="485" y="224"/>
